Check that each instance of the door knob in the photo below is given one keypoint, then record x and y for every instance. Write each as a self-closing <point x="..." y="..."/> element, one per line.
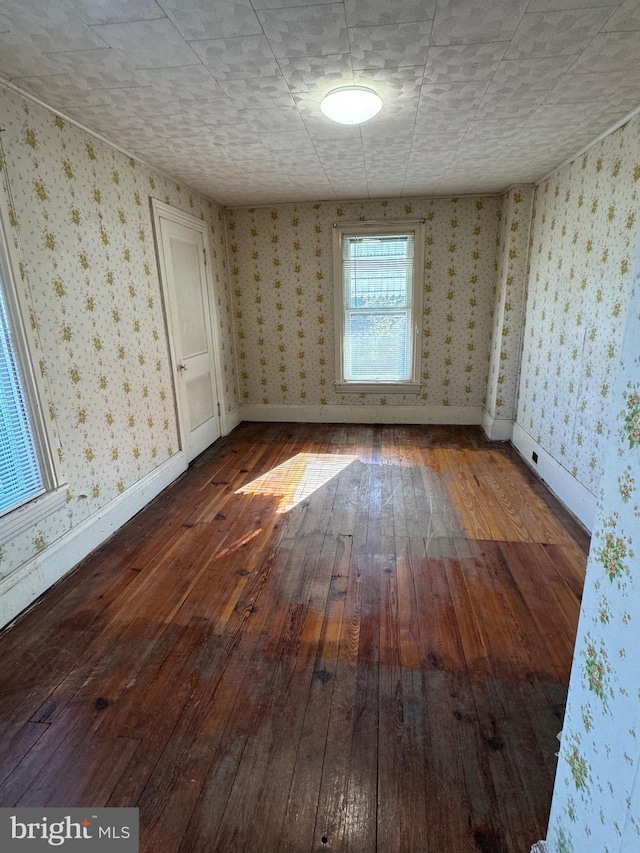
<point x="182" y="367"/>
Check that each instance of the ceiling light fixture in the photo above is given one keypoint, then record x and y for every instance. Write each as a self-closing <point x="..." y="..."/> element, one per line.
<point x="351" y="104"/>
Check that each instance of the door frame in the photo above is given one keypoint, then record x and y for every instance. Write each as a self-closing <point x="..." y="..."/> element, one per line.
<point x="161" y="210"/>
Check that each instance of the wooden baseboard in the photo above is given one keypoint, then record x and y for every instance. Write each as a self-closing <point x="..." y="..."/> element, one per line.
<point x="576" y="497"/>
<point x="348" y="414"/>
<point x="20" y="588"/>
<point x="232" y="419"/>
<point x="497" y="429"/>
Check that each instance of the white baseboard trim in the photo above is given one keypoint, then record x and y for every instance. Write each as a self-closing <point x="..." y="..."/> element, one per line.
<point x="348" y="414"/>
<point x="497" y="429"/>
<point x="232" y="419"/>
<point x="20" y="588"/>
<point x="576" y="497"/>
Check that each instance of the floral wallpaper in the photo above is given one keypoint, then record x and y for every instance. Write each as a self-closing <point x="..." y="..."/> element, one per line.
<point x="509" y="304"/>
<point x="81" y="221"/>
<point x="584" y="234"/>
<point x="596" y="802"/>
<point x="281" y="271"/>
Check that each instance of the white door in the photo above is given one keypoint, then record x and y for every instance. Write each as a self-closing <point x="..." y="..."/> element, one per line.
<point x="181" y="246"/>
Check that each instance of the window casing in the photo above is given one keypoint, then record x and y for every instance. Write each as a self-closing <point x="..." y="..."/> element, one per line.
<point x="28" y="481"/>
<point x="378" y="278"/>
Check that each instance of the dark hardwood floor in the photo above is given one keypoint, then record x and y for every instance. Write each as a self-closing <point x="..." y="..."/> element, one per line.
<point x="345" y="638"/>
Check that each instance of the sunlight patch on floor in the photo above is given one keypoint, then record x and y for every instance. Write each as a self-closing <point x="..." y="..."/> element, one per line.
<point x="298" y="477"/>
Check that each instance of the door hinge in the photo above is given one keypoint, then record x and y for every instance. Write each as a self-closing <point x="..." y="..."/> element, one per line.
<point x="204" y="252"/>
<point x="219" y="410"/>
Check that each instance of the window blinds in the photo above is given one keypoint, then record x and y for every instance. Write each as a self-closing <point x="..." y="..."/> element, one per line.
<point x="377" y="275"/>
<point x="20" y="472"/>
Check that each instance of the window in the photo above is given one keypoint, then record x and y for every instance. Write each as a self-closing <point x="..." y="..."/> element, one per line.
<point x="378" y="277"/>
<point x="27" y="477"/>
<point x="20" y="471"/>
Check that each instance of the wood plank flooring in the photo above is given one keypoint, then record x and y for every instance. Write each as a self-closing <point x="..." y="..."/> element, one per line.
<point x="320" y="638"/>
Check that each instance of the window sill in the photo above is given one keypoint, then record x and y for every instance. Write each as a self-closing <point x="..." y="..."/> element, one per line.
<point x="378" y="387"/>
<point x="24" y="517"/>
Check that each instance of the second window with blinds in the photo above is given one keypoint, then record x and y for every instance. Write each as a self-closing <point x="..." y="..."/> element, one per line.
<point x="378" y="276"/>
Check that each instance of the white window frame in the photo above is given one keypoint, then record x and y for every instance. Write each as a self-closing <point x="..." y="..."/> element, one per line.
<point x="53" y="498"/>
<point x="356" y="229"/>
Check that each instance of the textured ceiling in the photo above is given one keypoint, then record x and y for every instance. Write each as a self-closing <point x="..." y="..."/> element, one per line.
<point x="225" y="94"/>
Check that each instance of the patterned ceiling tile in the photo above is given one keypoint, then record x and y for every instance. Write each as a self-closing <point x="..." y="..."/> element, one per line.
<point x="374" y="152"/>
<point x="627" y="17"/>
<point x="347" y="169"/>
<point x="459" y="22"/>
<point x="422" y="149"/>
<point x="390" y="46"/>
<point x="458" y="63"/>
<point x="451" y="96"/>
<point x="101" y="69"/>
<point x="585" y="87"/>
<point x="421" y="185"/>
<point x="440" y="141"/>
<point x="615" y="51"/>
<point x="322" y="130"/>
<point x="529" y="75"/>
<point x="552" y="33"/>
<point x="270" y="120"/>
<point x="422" y="159"/>
<point x="183" y="82"/>
<point x="384" y="136"/>
<point x="554" y="5"/>
<point x="316" y="73"/>
<point x="19" y="13"/>
<point x="148" y="44"/>
<point x="396" y="113"/>
<point x="367" y="13"/>
<point x="53" y="36"/>
<point x="505" y="105"/>
<point x="439" y="122"/>
<point x="233" y="134"/>
<point x="237" y="58"/>
<point x="250" y="151"/>
<point x="283" y="4"/>
<point x="480" y="129"/>
<point x="392" y="171"/>
<point x="19" y="62"/>
<point x="61" y="91"/>
<point x="308" y="105"/>
<point x="383" y="189"/>
<point x="559" y="115"/>
<point x="330" y="150"/>
<point x="258" y="93"/>
<point x="622" y="102"/>
<point x="113" y="11"/>
<point x="202" y="19"/>
<point x="393" y="83"/>
<point x="185" y="113"/>
<point x="306" y="30"/>
<point x="291" y="140"/>
<point x="220" y="111"/>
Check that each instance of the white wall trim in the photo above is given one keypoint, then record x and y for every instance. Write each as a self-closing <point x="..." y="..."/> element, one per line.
<point x="353" y="414"/>
<point x="233" y="419"/>
<point x="497" y="429"/>
<point x="20" y="588"/>
<point x="576" y="497"/>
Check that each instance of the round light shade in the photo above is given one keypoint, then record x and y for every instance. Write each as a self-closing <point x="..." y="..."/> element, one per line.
<point x="351" y="104"/>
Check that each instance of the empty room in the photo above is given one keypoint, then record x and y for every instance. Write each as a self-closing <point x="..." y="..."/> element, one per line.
<point x="320" y="425"/>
